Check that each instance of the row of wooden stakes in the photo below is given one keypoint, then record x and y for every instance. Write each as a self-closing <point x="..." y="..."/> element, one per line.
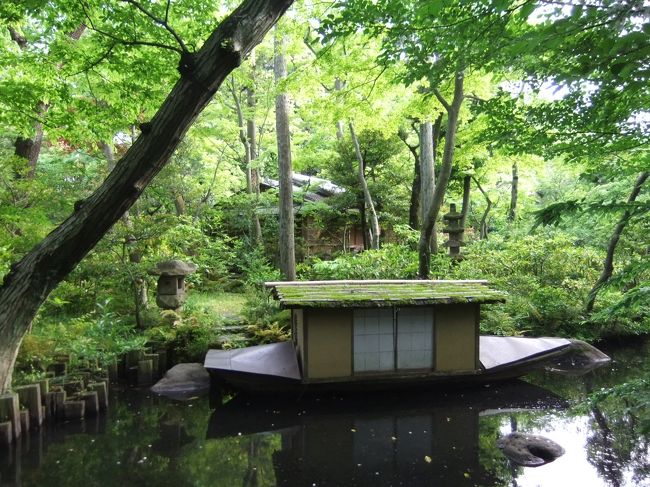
<point x="64" y="396"/>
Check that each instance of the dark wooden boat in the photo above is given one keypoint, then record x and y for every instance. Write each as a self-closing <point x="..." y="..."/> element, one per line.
<point x="365" y="335"/>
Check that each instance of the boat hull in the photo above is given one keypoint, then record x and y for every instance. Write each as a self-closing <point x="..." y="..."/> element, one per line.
<point x="269" y="369"/>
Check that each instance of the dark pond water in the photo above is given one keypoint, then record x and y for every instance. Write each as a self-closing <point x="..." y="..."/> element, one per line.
<point x="434" y="439"/>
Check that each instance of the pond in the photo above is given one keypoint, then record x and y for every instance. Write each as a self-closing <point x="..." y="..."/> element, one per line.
<point x="441" y="439"/>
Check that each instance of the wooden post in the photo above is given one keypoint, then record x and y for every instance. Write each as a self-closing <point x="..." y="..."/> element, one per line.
<point x="30" y="396"/>
<point x="74" y="409"/>
<point x="92" y="402"/>
<point x="155" y="364"/>
<point x="132" y="375"/>
<point x="54" y="403"/>
<point x="145" y="372"/>
<point x="10" y="411"/>
<point x="6" y="433"/>
<point x="44" y="384"/>
<point x="102" y="394"/>
<point x="58" y="368"/>
<point x="24" y="420"/>
<point x="162" y="362"/>
<point x="112" y="370"/>
<point x="133" y="357"/>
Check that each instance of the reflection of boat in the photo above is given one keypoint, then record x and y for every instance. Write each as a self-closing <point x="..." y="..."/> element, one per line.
<point x="246" y="414"/>
<point x="385" y="335"/>
<point x="377" y="439"/>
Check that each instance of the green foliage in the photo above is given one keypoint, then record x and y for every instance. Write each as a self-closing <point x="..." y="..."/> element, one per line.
<point x="100" y="334"/>
<point x="389" y="262"/>
<point x="260" y="309"/>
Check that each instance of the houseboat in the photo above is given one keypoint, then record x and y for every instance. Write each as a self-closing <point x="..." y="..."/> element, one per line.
<point x="386" y="334"/>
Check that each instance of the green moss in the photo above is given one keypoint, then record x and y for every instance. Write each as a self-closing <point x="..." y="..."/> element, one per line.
<point x="357" y="294"/>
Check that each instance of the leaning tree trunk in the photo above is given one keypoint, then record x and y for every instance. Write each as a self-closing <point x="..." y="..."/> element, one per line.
<point x="285" y="170"/>
<point x="431" y="213"/>
<point x="514" y="193"/>
<point x="368" y="203"/>
<point x="31" y="280"/>
<point x="608" y="264"/>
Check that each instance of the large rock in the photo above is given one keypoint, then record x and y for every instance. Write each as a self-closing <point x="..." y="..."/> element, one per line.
<point x="183" y="381"/>
<point x="529" y="450"/>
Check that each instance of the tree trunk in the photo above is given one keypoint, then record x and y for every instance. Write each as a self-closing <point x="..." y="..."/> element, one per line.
<point x="467" y="188"/>
<point x="514" y="190"/>
<point x="285" y="169"/>
<point x="430" y="213"/>
<point x="246" y="127"/>
<point x="608" y="264"/>
<point x="414" y="204"/>
<point x="338" y="86"/>
<point x="109" y="154"/>
<point x="30" y="149"/>
<point x="179" y="204"/>
<point x="31" y="280"/>
<point x="368" y="203"/>
<point x="251" y="134"/>
<point x="427" y="186"/>
<point x="483" y="226"/>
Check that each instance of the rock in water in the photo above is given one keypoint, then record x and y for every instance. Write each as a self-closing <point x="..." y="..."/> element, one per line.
<point x="183" y="381"/>
<point x="529" y="450"/>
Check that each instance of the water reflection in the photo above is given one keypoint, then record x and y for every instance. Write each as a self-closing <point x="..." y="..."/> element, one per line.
<point x="419" y="439"/>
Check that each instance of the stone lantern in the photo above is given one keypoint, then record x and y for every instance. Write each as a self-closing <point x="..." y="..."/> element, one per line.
<point x="171" y="283"/>
<point x="455" y="231"/>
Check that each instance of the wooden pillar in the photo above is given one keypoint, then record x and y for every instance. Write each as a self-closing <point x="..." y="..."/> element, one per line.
<point x="54" y="404"/>
<point x="92" y="402"/>
<point x="74" y="409"/>
<point x="102" y="394"/>
<point x="145" y="372"/>
<point x="30" y="396"/>
<point x="10" y="411"/>
<point x="6" y="434"/>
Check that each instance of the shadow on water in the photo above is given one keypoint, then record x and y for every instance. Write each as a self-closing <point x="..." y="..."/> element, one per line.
<point x="442" y="439"/>
<point x="373" y="440"/>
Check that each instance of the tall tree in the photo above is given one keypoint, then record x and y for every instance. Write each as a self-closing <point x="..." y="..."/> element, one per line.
<point x="251" y="135"/>
<point x="367" y="197"/>
<point x="431" y="212"/>
<point x="32" y="279"/>
<point x="286" y="241"/>
<point x="427" y="188"/>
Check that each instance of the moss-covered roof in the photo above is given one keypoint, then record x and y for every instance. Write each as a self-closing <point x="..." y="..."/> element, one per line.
<point x="364" y="294"/>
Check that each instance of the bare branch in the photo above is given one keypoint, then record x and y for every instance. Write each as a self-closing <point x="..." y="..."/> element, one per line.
<point x="125" y="42"/>
<point x="159" y="21"/>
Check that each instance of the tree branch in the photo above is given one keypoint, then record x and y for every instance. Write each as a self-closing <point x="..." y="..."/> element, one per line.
<point x="159" y="21"/>
<point x="125" y="42"/>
